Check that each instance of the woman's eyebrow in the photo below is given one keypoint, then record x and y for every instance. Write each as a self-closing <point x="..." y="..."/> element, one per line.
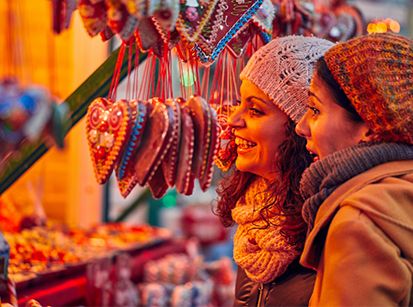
<point x="249" y="98"/>
<point x="310" y="93"/>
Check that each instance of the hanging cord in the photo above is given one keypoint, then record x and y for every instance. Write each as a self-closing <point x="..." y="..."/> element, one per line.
<point x="116" y="74"/>
<point x="51" y="61"/>
<point x="10" y="27"/>
<point x="205" y="90"/>
<point x="136" y="72"/>
<point x="128" y="81"/>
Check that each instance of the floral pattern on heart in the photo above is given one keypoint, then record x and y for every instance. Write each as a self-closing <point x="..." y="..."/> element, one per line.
<point x="107" y="128"/>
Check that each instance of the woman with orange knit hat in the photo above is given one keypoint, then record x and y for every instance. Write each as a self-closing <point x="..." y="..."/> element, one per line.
<point x="261" y="194"/>
<point x="359" y="190"/>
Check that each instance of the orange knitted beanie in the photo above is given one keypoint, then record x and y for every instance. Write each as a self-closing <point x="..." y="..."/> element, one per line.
<point x="376" y="74"/>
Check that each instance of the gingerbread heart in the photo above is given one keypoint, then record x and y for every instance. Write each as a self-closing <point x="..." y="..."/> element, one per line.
<point x="200" y="113"/>
<point x="225" y="22"/>
<point x="137" y="8"/>
<point x="238" y="44"/>
<point x="107" y="128"/>
<point x="205" y="177"/>
<point x="264" y="16"/>
<point x="156" y="142"/>
<point x="227" y="149"/>
<point x="148" y="38"/>
<point x="139" y="118"/>
<point x="157" y="184"/>
<point x="170" y="162"/>
<point x="93" y="14"/>
<point x="119" y="19"/>
<point x="166" y="13"/>
<point x="125" y="169"/>
<point x="185" y="176"/>
<point x="193" y="17"/>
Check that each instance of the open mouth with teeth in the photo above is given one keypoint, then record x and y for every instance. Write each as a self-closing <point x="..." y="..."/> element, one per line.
<point x="313" y="155"/>
<point x="243" y="144"/>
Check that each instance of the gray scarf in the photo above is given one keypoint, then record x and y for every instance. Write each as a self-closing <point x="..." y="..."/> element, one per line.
<point x="324" y="176"/>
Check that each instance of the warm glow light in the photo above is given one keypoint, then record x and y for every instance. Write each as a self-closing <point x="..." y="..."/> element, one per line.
<point x="382" y="26"/>
<point x="371" y="28"/>
<point x="394" y="26"/>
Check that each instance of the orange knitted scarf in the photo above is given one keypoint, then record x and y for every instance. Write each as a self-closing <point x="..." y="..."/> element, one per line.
<point x="260" y="249"/>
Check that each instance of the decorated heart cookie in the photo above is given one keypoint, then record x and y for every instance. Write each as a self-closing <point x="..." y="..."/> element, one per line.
<point x="148" y="38"/>
<point x="200" y="113"/>
<point x="125" y="169"/>
<point x="185" y="176"/>
<point x="205" y="177"/>
<point x="155" y="142"/>
<point x="193" y="17"/>
<point x="165" y="12"/>
<point x="137" y="8"/>
<point x="170" y="162"/>
<point x="264" y="16"/>
<point x="93" y="14"/>
<point x="119" y="19"/>
<point x="227" y="150"/>
<point x="226" y="20"/>
<point x="62" y="14"/>
<point x="107" y="129"/>
<point x="238" y="44"/>
<point x="157" y="184"/>
<point x="139" y="118"/>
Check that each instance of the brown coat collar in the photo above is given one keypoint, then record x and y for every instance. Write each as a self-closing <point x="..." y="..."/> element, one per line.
<point x="315" y="240"/>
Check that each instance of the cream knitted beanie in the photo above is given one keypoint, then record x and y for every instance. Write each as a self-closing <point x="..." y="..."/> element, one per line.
<point x="282" y="69"/>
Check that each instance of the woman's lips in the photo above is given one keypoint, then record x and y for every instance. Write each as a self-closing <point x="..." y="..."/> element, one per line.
<point x="313" y="154"/>
<point x="244" y="145"/>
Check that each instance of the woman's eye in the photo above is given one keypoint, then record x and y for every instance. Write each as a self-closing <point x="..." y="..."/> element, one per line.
<point x="314" y="110"/>
<point x="255" y="111"/>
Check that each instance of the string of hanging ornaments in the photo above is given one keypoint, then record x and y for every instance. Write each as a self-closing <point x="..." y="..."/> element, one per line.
<point x="160" y="136"/>
<point x="28" y="111"/>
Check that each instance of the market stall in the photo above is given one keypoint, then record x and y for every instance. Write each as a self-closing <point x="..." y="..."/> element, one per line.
<point x="166" y="130"/>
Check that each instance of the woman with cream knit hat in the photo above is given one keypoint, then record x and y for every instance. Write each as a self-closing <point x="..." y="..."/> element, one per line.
<point x="261" y="194"/>
<point x="359" y="192"/>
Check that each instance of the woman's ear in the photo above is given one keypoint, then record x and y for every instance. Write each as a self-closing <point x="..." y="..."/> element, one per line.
<point x="366" y="134"/>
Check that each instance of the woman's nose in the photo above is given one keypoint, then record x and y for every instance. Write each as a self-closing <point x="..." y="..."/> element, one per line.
<point x="302" y="128"/>
<point x="235" y="120"/>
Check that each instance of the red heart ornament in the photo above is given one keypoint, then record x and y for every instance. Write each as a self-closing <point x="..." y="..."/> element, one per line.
<point x="148" y="38"/>
<point x="200" y="113"/>
<point x="238" y="44"/>
<point x="205" y="177"/>
<point x="125" y="168"/>
<point x="156" y="142"/>
<point x="264" y="16"/>
<point x="206" y="135"/>
<point x="185" y="176"/>
<point x="107" y="128"/>
<point x="157" y="184"/>
<point x="170" y="162"/>
<point x="93" y="14"/>
<point x="120" y="21"/>
<point x="193" y="17"/>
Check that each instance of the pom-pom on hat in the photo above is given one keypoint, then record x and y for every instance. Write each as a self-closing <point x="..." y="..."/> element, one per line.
<point x="283" y="68"/>
<point x="376" y="74"/>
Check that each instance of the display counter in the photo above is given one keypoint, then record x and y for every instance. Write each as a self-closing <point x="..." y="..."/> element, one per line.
<point x="69" y="287"/>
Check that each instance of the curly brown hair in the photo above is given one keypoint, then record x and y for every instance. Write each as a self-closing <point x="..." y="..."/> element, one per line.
<point x="285" y="197"/>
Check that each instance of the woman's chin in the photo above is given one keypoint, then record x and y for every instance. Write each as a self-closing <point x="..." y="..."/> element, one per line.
<point x="249" y="168"/>
<point x="243" y="166"/>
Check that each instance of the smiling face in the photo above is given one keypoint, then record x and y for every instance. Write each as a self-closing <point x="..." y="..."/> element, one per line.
<point x="259" y="127"/>
<point x="327" y="126"/>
